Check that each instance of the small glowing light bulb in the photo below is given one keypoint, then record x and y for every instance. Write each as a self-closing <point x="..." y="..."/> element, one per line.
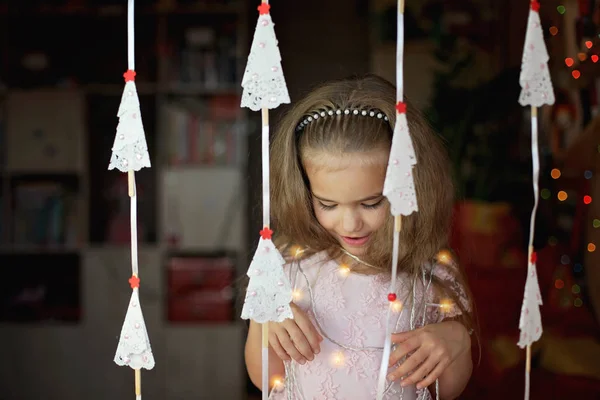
<point x="277" y="382"/>
<point x="297" y="294"/>
<point x="444" y="257"/>
<point x="338" y="359"/>
<point x="446" y="305"/>
<point x="297" y="251"/>
<point x="344" y="270"/>
<point x="397" y="306"/>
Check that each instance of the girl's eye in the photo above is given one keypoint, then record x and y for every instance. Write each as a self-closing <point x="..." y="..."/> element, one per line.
<point x="326" y="207"/>
<point x="373" y="206"/>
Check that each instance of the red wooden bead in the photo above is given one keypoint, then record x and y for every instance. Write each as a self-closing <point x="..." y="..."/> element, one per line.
<point x="392" y="297"/>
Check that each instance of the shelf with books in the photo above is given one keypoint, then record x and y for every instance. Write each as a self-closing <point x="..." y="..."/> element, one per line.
<point x="200" y="51"/>
<point x="203" y="132"/>
<point x="46" y="211"/>
<point x="80" y="9"/>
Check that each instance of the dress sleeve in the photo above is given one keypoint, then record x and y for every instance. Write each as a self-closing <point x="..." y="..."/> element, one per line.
<point x="441" y="305"/>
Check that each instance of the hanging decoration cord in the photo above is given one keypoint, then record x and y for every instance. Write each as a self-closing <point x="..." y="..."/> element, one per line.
<point x="131" y="180"/>
<point x="535" y="160"/>
<point x="266" y="224"/>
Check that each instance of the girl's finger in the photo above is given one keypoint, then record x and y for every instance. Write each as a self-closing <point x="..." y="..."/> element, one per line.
<point x="402" y="336"/>
<point x="424" y="371"/>
<point x="402" y="349"/>
<point x="299" y="340"/>
<point x="410" y="364"/>
<point x="288" y="346"/>
<point x="310" y="332"/>
<point x="277" y="348"/>
<point x="433" y="375"/>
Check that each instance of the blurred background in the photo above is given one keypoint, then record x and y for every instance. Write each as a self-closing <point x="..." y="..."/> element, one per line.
<point x="64" y="221"/>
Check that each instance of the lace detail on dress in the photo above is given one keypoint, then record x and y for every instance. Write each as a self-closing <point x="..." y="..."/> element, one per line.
<point x="441" y="309"/>
<point x="351" y="310"/>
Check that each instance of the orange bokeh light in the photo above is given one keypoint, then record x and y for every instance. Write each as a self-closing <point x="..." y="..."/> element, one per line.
<point x="562" y="195"/>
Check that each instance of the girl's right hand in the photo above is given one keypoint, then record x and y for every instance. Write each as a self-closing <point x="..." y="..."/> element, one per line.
<point x="296" y="338"/>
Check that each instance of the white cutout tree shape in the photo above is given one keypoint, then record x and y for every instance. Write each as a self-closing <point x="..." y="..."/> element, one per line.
<point x="269" y="292"/>
<point x="134" y="348"/>
<point x="263" y="81"/>
<point x="129" y="151"/>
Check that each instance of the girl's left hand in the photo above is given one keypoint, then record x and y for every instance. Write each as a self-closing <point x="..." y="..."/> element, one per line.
<point x="434" y="347"/>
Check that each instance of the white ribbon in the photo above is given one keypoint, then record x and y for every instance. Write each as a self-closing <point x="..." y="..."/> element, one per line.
<point x="130" y="36"/>
<point x="535" y="159"/>
<point x="265" y="176"/>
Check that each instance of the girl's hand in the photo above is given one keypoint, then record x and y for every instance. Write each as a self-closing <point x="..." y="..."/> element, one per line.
<point x="434" y="347"/>
<point x="295" y="338"/>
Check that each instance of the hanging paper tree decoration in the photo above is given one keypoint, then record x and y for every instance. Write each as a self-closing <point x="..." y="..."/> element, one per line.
<point x="129" y="151"/>
<point x="263" y="81"/>
<point x="536" y="85"/>
<point x="269" y="292"/>
<point x="536" y="90"/>
<point x="130" y="154"/>
<point x="530" y="323"/>
<point x="399" y="188"/>
<point x="134" y="345"/>
<point x="399" y="185"/>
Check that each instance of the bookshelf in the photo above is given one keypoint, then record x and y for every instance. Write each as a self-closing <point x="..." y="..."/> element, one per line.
<point x="65" y="218"/>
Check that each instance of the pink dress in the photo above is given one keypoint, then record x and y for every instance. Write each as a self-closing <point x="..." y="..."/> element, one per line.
<point x="349" y="310"/>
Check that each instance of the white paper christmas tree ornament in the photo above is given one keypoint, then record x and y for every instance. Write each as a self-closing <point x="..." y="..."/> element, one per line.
<point x="129" y="151"/>
<point x="134" y="348"/>
<point x="535" y="81"/>
<point x="269" y="292"/>
<point x="399" y="186"/>
<point x="530" y="323"/>
<point x="263" y="81"/>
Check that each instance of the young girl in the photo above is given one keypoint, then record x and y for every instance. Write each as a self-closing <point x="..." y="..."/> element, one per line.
<point x="329" y="160"/>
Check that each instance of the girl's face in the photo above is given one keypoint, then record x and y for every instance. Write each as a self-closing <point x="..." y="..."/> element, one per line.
<point x="347" y="195"/>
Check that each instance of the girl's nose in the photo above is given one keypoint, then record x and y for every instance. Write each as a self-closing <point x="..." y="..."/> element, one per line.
<point x="352" y="221"/>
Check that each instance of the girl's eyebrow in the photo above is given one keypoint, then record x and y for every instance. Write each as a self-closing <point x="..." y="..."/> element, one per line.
<point x="375" y="196"/>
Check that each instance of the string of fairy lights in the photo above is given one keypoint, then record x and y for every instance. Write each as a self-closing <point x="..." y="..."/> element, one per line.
<point x="570" y="289"/>
<point x="565" y="259"/>
<point x="582" y="56"/>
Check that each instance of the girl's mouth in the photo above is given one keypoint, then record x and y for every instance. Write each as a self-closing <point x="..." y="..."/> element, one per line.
<point x="356" y="241"/>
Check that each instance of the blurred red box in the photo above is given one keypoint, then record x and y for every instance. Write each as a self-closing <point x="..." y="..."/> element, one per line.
<point x="201" y="306"/>
<point x="200" y="289"/>
<point x="185" y="273"/>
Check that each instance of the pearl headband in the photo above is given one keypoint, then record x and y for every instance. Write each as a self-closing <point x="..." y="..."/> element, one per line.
<point x="365" y="113"/>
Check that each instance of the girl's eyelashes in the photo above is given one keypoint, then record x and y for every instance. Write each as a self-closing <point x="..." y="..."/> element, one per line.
<point x="326" y="207"/>
<point x="366" y="206"/>
<point x="373" y="206"/>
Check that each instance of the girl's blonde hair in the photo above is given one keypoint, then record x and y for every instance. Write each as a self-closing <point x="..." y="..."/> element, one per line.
<point x="423" y="234"/>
